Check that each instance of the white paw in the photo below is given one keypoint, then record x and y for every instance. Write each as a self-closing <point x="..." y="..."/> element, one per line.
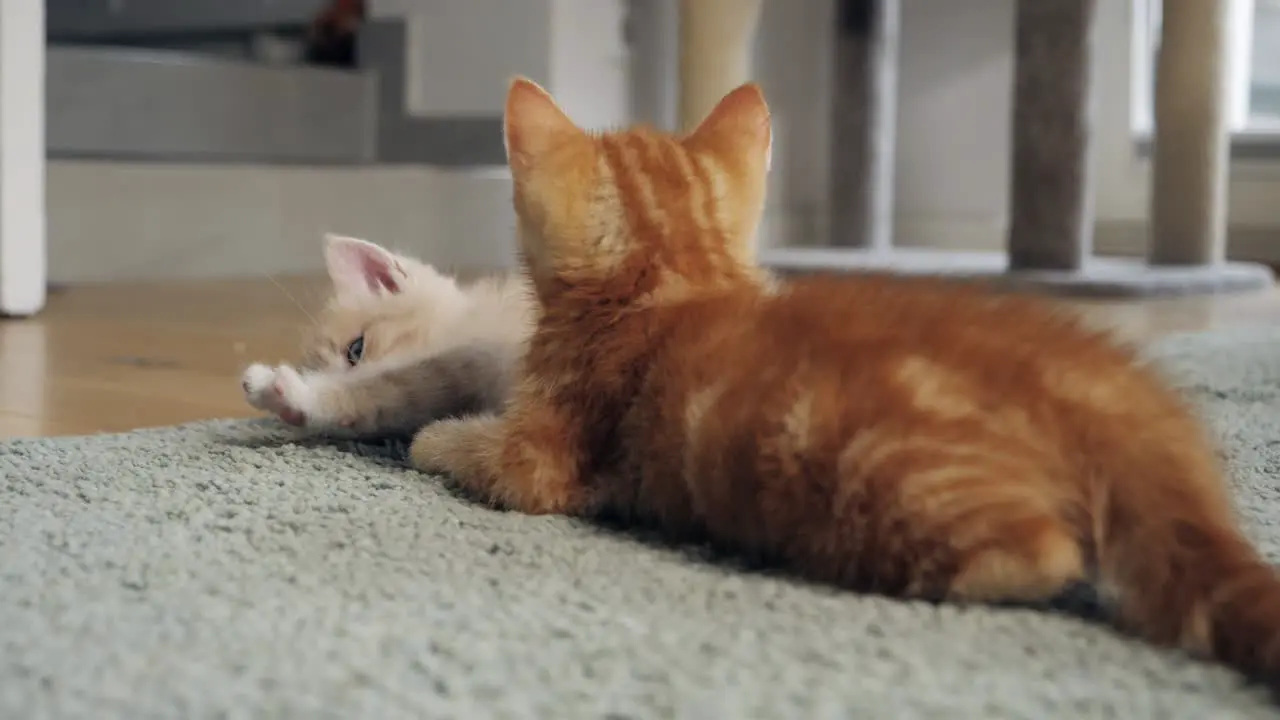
<point x="281" y="391"/>
<point x="256" y="380"/>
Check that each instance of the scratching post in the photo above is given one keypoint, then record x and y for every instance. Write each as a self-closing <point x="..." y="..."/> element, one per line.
<point x="1051" y="192"/>
<point x="716" y="42"/>
<point x="1190" y="163"/>
<point x="865" y="108"/>
<point x="1051" y="213"/>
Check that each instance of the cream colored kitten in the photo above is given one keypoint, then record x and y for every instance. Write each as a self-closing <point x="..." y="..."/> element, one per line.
<point x="399" y="345"/>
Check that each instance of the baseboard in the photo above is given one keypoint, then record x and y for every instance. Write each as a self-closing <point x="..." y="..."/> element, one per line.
<point x="1247" y="243"/>
<point x="949" y="233"/>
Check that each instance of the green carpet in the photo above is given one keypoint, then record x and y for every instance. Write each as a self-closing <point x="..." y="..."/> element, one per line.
<point x="220" y="570"/>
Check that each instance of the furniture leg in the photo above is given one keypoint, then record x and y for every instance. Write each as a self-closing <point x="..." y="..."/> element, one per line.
<point x="1051" y="195"/>
<point x="22" y="157"/>
<point x="1190" y="162"/>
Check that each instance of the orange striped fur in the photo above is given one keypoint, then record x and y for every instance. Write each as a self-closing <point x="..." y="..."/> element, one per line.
<point x="899" y="436"/>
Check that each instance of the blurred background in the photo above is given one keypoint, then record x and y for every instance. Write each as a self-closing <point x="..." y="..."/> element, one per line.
<point x="216" y="138"/>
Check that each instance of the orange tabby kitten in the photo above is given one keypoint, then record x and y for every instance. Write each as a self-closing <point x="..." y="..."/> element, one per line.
<point x="901" y="436"/>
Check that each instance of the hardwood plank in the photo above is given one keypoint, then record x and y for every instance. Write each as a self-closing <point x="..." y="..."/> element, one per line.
<point x="13" y="425"/>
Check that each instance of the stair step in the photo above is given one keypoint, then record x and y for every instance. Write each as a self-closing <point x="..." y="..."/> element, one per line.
<point x="125" y="103"/>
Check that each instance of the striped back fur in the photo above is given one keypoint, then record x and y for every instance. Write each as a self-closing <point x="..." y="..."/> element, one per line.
<point x="889" y="435"/>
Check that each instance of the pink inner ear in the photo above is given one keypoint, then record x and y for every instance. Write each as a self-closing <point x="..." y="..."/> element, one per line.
<point x="740" y="117"/>
<point x="363" y="267"/>
<point x="380" y="273"/>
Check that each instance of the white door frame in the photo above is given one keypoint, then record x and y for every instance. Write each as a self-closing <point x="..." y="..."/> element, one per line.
<point x="23" y="271"/>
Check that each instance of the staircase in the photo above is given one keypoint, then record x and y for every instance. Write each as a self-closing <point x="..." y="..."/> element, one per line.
<point x="173" y="87"/>
<point x="186" y="140"/>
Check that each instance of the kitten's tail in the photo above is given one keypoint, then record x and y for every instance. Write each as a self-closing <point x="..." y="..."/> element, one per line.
<point x="1187" y="577"/>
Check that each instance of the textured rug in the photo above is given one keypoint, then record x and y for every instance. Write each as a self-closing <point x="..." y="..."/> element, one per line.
<point x="221" y="570"/>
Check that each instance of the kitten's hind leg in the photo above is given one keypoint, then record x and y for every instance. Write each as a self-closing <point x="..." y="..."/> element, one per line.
<point x="941" y="521"/>
<point x="529" y="459"/>
<point x="465" y="449"/>
<point x="1028" y="559"/>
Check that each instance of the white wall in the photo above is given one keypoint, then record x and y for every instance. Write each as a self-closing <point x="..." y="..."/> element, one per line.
<point x="589" y="68"/>
<point x="462" y="54"/>
<point x="794" y="45"/>
<point x="954" y="121"/>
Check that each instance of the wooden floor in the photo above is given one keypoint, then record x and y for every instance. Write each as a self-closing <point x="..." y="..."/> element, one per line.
<point x="118" y="357"/>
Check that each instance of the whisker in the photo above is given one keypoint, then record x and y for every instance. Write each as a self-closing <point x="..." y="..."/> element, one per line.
<point x="289" y="295"/>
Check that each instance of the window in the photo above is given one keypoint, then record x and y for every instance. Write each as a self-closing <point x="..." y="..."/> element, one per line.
<point x="1255" y="49"/>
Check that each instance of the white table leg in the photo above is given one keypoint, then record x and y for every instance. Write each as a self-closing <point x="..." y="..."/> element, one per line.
<point x="22" y="157"/>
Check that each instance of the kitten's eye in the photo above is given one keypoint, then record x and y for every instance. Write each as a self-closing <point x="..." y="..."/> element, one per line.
<point x="355" y="351"/>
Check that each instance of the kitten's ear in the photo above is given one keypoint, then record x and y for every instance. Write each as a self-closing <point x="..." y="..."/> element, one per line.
<point x="532" y="123"/>
<point x="357" y="267"/>
<point x="739" y="122"/>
